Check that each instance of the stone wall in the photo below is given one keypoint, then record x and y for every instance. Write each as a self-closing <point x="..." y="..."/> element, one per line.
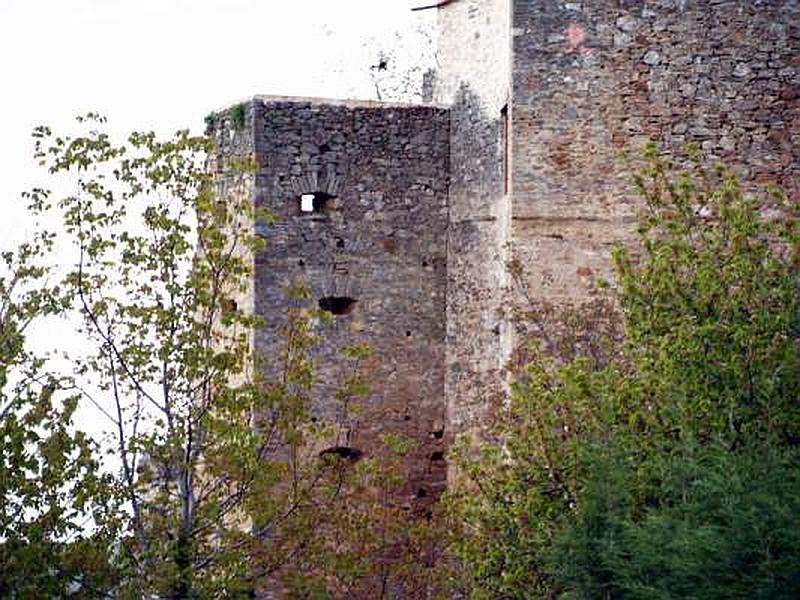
<point x="376" y="246"/>
<point x="474" y="78"/>
<point x="592" y="78"/>
<point x="425" y="208"/>
<point x="232" y="131"/>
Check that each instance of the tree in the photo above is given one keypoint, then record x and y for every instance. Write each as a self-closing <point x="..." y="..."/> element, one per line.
<point x="225" y="489"/>
<point x="369" y="546"/>
<point x="215" y="463"/>
<point x="670" y="471"/>
<point x="58" y="512"/>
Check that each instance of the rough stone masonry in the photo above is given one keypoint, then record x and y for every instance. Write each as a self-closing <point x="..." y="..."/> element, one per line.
<point x="403" y="220"/>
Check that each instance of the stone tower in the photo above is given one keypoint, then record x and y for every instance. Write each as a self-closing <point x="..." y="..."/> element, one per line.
<point x="403" y="219"/>
<point x="359" y="190"/>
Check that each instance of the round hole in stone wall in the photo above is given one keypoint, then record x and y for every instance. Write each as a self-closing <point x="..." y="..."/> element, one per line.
<point x="408" y="333"/>
<point x="338" y="305"/>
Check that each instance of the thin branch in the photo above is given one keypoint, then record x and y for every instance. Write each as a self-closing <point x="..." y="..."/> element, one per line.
<point x="95" y="403"/>
<point x="109" y="341"/>
<point x="437" y="5"/>
<point x="126" y="467"/>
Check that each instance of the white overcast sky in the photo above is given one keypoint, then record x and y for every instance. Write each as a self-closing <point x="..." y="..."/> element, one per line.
<point x="165" y="64"/>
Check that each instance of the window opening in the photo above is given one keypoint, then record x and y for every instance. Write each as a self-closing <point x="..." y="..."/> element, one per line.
<point x="314" y="202"/>
<point x="307" y="203"/>
<point x="338" y="305"/>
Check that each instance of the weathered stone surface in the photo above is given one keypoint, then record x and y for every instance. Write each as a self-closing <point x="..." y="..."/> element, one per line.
<point x="429" y="205"/>
<point x="474" y="78"/>
<point x="376" y="251"/>
<point x="709" y="73"/>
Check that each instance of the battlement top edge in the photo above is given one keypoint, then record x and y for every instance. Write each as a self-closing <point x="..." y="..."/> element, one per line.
<point x="346" y="102"/>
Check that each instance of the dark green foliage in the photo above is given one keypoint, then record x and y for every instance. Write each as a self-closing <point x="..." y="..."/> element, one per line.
<point x="237" y="115"/>
<point x="721" y="524"/>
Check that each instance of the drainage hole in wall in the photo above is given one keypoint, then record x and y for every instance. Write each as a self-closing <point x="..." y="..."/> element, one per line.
<point x="438" y="433"/>
<point x="340" y="243"/>
<point x="228" y="306"/>
<point x="301" y="262"/>
<point x="343" y="452"/>
<point x="422" y="493"/>
<point x="338" y="305"/>
<point x="408" y="333"/>
<point x="438" y="455"/>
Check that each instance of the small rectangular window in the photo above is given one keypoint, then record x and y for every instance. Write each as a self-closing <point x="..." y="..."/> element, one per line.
<point x="314" y="202"/>
<point x="307" y="203"/>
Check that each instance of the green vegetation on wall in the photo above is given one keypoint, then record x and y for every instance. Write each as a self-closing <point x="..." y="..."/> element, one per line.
<point x="671" y="472"/>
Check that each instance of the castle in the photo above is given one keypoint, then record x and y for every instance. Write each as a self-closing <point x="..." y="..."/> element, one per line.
<point x="403" y="219"/>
